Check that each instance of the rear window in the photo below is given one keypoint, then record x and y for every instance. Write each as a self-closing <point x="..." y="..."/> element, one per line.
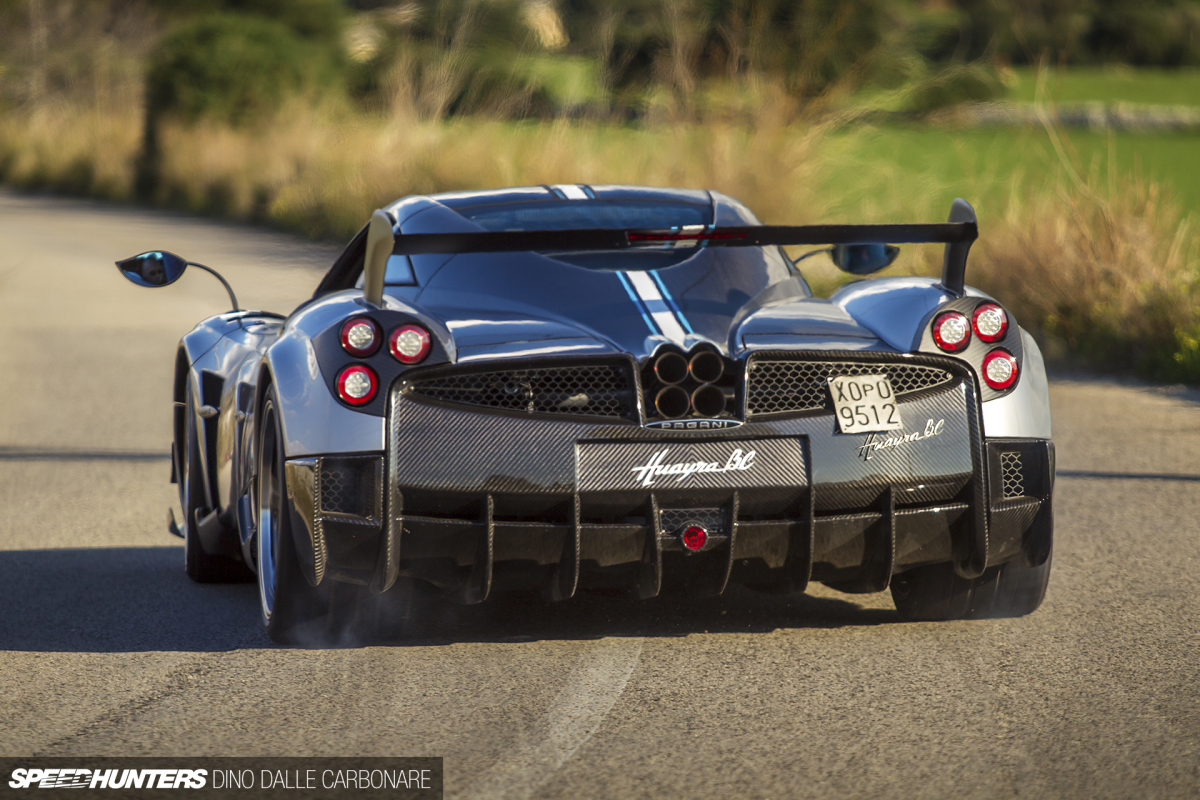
<point x="566" y="215"/>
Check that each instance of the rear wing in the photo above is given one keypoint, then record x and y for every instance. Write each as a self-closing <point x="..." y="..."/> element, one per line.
<point x="958" y="234"/>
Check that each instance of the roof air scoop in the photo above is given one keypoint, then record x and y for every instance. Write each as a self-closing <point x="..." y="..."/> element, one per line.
<point x="380" y="241"/>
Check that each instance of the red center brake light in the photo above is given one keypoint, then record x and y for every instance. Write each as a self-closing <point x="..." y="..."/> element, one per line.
<point x="694" y="537"/>
<point x="684" y="237"/>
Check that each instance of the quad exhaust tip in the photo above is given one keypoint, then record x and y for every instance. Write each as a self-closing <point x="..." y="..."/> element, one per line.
<point x="671" y="368"/>
<point x="708" y="400"/>
<point x="672" y="402"/>
<point x="706" y="367"/>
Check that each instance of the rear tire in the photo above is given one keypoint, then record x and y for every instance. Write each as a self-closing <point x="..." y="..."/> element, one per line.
<point x="199" y="565"/>
<point x="287" y="602"/>
<point x="334" y="614"/>
<point x="936" y="593"/>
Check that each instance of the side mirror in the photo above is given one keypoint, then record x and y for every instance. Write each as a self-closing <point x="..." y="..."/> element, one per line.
<point x="156" y="268"/>
<point x="863" y="259"/>
<point x="160" y="268"/>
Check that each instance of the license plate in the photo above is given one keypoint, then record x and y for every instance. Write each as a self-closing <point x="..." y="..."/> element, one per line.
<point x="864" y="403"/>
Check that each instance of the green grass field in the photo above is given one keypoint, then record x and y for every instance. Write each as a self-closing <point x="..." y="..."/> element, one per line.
<point x="878" y="167"/>
<point x="1110" y="85"/>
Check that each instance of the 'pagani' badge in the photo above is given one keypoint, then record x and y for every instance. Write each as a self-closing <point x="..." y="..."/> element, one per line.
<point x="692" y="424"/>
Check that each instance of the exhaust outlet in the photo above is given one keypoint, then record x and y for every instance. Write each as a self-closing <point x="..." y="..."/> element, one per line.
<point x="706" y="366"/>
<point x="670" y="368"/>
<point x="709" y="401"/>
<point x="672" y="402"/>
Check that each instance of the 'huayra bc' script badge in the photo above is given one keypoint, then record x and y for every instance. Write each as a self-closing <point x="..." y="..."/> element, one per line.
<point x="876" y="443"/>
<point x="738" y="461"/>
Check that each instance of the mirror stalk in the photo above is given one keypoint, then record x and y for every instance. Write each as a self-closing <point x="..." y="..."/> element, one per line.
<point x="225" y="283"/>
<point x="810" y="254"/>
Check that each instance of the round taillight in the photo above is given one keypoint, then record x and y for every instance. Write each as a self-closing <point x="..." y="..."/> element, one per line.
<point x="990" y="322"/>
<point x="360" y="336"/>
<point x="410" y="344"/>
<point x="693" y="537"/>
<point x="357" y="384"/>
<point x="951" y="331"/>
<point x="999" y="369"/>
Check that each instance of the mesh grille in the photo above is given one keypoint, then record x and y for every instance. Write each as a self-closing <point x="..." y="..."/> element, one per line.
<point x="673" y="520"/>
<point x="599" y="390"/>
<point x="774" y="385"/>
<point x="349" y="486"/>
<point x="1012" y="474"/>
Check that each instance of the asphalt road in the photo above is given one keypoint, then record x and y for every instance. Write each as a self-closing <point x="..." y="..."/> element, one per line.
<point x="107" y="649"/>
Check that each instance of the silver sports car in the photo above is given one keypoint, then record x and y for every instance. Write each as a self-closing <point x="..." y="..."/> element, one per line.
<point x="572" y="387"/>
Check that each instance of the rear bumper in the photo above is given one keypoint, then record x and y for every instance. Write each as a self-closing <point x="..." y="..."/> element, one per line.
<point x="477" y="502"/>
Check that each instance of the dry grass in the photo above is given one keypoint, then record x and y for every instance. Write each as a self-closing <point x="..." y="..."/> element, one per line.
<point x="1105" y="270"/>
<point x="69" y="150"/>
<point x="324" y="175"/>
<point x="1108" y="272"/>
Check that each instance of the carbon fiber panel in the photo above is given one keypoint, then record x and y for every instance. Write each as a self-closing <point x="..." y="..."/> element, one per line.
<point x="451" y="450"/>
<point x="928" y="460"/>
<point x="623" y="466"/>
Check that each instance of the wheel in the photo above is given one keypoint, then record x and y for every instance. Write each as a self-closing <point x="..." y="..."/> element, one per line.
<point x="199" y="565"/>
<point x="936" y="593"/>
<point x="334" y="614"/>
<point x="288" y="603"/>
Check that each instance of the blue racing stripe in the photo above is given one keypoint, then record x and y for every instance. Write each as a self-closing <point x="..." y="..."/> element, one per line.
<point x="662" y="287"/>
<point x="637" y="301"/>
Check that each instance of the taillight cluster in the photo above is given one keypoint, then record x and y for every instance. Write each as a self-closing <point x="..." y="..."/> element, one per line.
<point x="361" y="337"/>
<point x="952" y="333"/>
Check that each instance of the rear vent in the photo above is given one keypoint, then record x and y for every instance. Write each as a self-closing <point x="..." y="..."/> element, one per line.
<point x="350" y="489"/>
<point x="776" y="386"/>
<point x="593" y="390"/>
<point x="1012" y="474"/>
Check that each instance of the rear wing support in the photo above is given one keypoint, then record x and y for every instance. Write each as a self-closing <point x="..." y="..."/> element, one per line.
<point x="954" y="264"/>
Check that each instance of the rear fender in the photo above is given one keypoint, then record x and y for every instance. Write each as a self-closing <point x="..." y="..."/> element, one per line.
<point x="313" y="421"/>
<point x="898" y="310"/>
<point x="1025" y="413"/>
<point x="892" y="308"/>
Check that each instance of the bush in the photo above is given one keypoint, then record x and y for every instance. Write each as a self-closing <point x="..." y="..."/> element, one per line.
<point x="311" y="19"/>
<point x="1148" y="33"/>
<point x="969" y="83"/>
<point x="233" y="68"/>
